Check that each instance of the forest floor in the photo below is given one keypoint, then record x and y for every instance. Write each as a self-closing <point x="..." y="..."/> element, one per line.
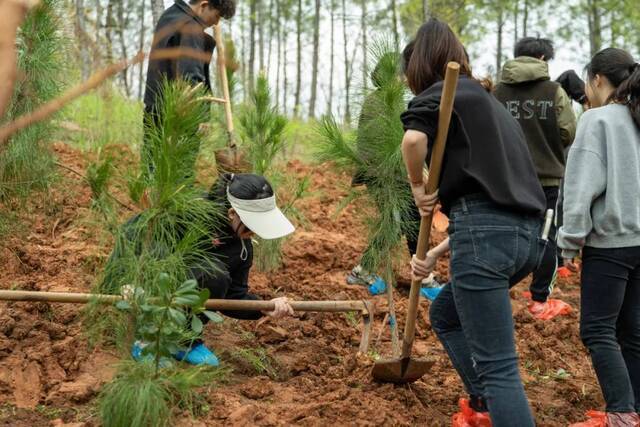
<point x="302" y="370"/>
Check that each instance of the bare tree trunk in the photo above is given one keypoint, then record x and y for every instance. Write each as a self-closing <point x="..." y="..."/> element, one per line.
<point x="298" y="57"/>
<point x="81" y="35"/>
<point x="314" y="72"/>
<point x="122" y="25"/>
<point x="140" y="49"/>
<point x="157" y="8"/>
<point x="278" y="48"/>
<point x="332" y="59"/>
<point x="285" y="63"/>
<point x="97" y="57"/>
<point x="261" y="22"/>
<point x="252" y="43"/>
<point x="516" y="12"/>
<point x="595" y="26"/>
<point x="500" y="34"/>
<point x="425" y="9"/>
<point x="394" y="17"/>
<point x="109" y="31"/>
<point x="347" y="80"/>
<point x="363" y="25"/>
<point x="525" y="18"/>
<point x="243" y="46"/>
<point x="271" y="21"/>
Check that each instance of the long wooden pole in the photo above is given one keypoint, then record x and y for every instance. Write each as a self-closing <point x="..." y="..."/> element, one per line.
<point x="435" y="167"/>
<point x="224" y="81"/>
<point x="212" y="304"/>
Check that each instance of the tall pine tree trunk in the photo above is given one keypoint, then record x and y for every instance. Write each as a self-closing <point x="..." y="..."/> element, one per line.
<point x="252" y="43"/>
<point x="365" y="47"/>
<point x="157" y="7"/>
<point x="525" y="18"/>
<point x="270" y="43"/>
<point x="261" y="23"/>
<point x="285" y="63"/>
<point x="81" y="35"/>
<point x="314" y="72"/>
<point x="140" y="49"/>
<point x="500" y="37"/>
<point x="109" y="31"/>
<point x="298" y="56"/>
<point x="394" y="17"/>
<point x="347" y="80"/>
<point x="595" y="26"/>
<point x="332" y="59"/>
<point x="516" y="12"/>
<point x="278" y="53"/>
<point x="122" y="25"/>
<point x="243" y="49"/>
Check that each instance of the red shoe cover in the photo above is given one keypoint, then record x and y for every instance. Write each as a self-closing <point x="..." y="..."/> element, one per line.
<point x="596" y="419"/>
<point x="467" y="417"/>
<point x="547" y="310"/>
<point x="563" y="272"/>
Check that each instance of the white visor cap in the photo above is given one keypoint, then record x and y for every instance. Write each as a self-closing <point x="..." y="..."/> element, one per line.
<point x="262" y="216"/>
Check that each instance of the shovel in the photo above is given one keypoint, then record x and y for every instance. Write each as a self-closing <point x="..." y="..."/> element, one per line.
<point x="406" y="369"/>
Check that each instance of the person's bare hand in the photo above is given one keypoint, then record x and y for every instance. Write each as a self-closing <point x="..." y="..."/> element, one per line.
<point x="572" y="266"/>
<point x="282" y="309"/>
<point x="426" y="203"/>
<point x="422" y="269"/>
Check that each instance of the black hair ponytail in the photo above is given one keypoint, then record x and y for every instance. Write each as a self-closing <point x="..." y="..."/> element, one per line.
<point x="629" y="92"/>
<point x="619" y="67"/>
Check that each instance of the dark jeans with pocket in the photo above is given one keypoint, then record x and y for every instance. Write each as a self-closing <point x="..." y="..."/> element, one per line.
<point x="545" y="275"/>
<point x="491" y="250"/>
<point x="610" y="322"/>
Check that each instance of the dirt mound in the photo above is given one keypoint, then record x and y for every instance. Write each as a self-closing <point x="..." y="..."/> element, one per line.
<point x="303" y="371"/>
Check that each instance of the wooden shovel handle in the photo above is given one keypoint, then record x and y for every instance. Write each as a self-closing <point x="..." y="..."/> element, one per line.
<point x="222" y="69"/>
<point x="435" y="167"/>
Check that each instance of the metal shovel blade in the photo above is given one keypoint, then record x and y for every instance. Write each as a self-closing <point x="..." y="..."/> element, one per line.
<point x="401" y="371"/>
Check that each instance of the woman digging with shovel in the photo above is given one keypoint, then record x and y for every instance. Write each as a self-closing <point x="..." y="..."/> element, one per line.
<point x="490" y="191"/>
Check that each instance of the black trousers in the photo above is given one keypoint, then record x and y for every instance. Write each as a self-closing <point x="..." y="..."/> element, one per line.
<point x="610" y="322"/>
<point x="544" y="277"/>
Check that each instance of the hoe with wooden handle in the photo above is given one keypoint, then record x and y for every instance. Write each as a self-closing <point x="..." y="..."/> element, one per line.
<point x="365" y="308"/>
<point x="405" y="369"/>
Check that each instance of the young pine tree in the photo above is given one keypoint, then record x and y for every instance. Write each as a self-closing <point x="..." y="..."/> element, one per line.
<point x="152" y="260"/>
<point x="26" y="164"/>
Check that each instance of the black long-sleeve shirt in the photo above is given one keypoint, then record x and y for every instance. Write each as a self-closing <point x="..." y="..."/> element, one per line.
<point x="231" y="280"/>
<point x="486" y="151"/>
<point x="178" y="27"/>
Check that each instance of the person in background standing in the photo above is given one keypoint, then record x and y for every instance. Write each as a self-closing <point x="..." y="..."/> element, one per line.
<point x="544" y="111"/>
<point x="602" y="218"/>
<point x="181" y="27"/>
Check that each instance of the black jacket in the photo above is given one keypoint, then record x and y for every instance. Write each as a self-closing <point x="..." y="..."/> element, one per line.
<point x="178" y="27"/>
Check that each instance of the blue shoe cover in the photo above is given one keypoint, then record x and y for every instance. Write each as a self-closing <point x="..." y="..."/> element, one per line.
<point x="431" y="293"/>
<point x="378" y="287"/>
<point x="136" y="353"/>
<point x="198" y="355"/>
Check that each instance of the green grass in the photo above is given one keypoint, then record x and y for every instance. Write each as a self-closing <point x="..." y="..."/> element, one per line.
<point x="104" y="117"/>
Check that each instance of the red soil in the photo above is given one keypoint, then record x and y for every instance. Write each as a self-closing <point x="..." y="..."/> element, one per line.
<point x="313" y="374"/>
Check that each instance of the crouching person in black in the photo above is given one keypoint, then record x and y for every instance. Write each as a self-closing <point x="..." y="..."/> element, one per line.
<point x="251" y="209"/>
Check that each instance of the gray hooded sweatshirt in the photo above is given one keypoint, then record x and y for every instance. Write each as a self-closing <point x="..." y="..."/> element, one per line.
<point x="602" y="183"/>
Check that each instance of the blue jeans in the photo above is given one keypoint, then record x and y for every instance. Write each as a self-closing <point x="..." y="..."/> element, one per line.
<point x="491" y="250"/>
<point x="610" y="322"/>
